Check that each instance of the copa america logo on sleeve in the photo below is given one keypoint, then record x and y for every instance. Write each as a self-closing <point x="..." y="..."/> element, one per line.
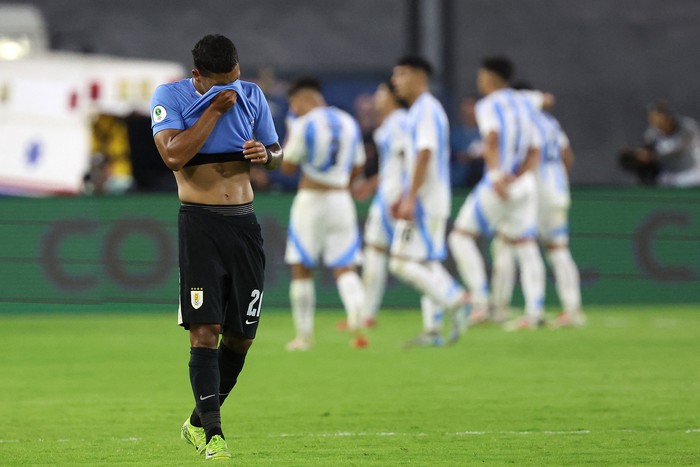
<point x="196" y="298"/>
<point x="159" y="113"/>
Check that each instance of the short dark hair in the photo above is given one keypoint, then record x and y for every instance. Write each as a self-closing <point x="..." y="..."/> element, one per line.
<point x="416" y="62"/>
<point x="500" y="65"/>
<point x="306" y="82"/>
<point x="214" y="53"/>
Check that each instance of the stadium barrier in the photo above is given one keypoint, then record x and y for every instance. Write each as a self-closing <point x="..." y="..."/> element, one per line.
<point x="632" y="245"/>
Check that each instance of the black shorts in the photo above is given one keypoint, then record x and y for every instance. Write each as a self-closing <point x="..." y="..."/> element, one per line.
<point x="222" y="267"/>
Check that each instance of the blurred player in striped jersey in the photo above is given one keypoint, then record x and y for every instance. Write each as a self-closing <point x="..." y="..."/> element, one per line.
<point x="505" y="200"/>
<point x="418" y="245"/>
<point x="326" y="143"/>
<point x="554" y="201"/>
<point x="391" y="141"/>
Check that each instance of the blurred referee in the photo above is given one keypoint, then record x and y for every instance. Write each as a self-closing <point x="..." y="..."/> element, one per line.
<point x="209" y="129"/>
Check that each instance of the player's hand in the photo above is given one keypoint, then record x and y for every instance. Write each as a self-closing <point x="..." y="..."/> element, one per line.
<point x="361" y="190"/>
<point x="501" y="188"/>
<point x="255" y="152"/>
<point x="223" y="101"/>
<point x="406" y="209"/>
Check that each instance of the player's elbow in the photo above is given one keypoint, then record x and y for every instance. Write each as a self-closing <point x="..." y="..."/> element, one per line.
<point x="173" y="163"/>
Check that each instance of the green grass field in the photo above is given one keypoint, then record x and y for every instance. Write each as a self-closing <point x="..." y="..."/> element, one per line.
<point x="110" y="388"/>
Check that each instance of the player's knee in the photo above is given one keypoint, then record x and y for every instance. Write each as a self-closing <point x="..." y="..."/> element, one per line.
<point x="205" y="335"/>
<point x="238" y="344"/>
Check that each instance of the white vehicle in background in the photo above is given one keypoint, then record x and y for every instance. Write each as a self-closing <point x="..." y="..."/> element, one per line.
<point x="49" y="101"/>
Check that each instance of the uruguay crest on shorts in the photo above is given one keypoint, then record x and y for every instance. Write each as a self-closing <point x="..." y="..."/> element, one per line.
<point x="196" y="298"/>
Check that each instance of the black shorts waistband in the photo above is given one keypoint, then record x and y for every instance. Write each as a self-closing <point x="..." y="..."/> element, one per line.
<point x="226" y="210"/>
<point x="213" y="158"/>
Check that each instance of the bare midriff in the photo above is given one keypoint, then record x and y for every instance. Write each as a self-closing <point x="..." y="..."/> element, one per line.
<point x="220" y="183"/>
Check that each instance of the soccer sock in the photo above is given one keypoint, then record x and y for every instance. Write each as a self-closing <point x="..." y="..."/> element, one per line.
<point x="432" y="314"/>
<point x="374" y="275"/>
<point x="567" y="279"/>
<point x="230" y="366"/>
<point x="532" y="278"/>
<point x="428" y="280"/>
<point x="471" y="267"/>
<point x="352" y="294"/>
<point x="302" y="295"/>
<point x="204" y="377"/>
<point x="503" y="275"/>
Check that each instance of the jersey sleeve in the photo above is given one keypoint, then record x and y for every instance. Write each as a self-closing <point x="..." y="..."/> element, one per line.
<point x="563" y="139"/>
<point x="535" y="98"/>
<point x="295" y="146"/>
<point x="264" y="127"/>
<point x="486" y="117"/>
<point x="427" y="132"/>
<point x="165" y="112"/>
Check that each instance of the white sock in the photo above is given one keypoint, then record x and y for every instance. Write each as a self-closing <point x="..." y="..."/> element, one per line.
<point x="503" y="274"/>
<point x="532" y="278"/>
<point x="302" y="295"/>
<point x="567" y="279"/>
<point x="374" y="275"/>
<point x="471" y="267"/>
<point x="428" y="281"/>
<point x="432" y="314"/>
<point x="352" y="294"/>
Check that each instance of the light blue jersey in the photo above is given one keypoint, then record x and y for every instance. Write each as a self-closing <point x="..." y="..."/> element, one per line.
<point x="178" y="106"/>
<point x="327" y="144"/>
<point x="429" y="129"/>
<point x="552" y="171"/>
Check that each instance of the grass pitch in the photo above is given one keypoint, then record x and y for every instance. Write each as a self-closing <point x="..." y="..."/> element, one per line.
<point x="111" y="388"/>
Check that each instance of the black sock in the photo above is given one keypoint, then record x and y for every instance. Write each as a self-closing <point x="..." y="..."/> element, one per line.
<point x="204" y="377"/>
<point x="230" y="366"/>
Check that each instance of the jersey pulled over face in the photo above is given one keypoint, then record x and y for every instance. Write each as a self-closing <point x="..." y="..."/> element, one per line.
<point x="178" y="106"/>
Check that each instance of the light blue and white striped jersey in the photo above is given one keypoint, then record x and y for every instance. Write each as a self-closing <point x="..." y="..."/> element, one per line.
<point x="553" y="140"/>
<point x="508" y="113"/>
<point x="327" y="144"/>
<point x="428" y="128"/>
<point x="391" y="139"/>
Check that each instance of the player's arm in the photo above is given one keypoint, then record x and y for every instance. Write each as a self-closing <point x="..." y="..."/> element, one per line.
<point x="262" y="150"/>
<point x="177" y="147"/>
<point x="294" y="147"/>
<point x="407" y="206"/>
<point x="532" y="158"/>
<point x="498" y="179"/>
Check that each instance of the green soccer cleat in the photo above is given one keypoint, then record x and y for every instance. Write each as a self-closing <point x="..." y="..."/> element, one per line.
<point x="217" y="449"/>
<point x="194" y="435"/>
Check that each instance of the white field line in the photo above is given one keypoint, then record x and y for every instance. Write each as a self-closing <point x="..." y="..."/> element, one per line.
<point x="360" y="434"/>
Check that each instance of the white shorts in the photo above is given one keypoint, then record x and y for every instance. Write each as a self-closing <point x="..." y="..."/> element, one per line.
<point x="379" y="227"/>
<point x="485" y="213"/>
<point x="323" y="223"/>
<point x="420" y="240"/>
<point x="553" y="215"/>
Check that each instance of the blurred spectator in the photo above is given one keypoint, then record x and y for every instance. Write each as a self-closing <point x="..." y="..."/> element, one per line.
<point x="110" y="169"/>
<point x="466" y="159"/>
<point x="671" y="153"/>
<point x="366" y="116"/>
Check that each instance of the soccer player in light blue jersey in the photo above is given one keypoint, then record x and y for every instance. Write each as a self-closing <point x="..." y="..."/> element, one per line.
<point x="554" y="200"/>
<point x="209" y="129"/>
<point x="505" y="200"/>
<point x="391" y="140"/>
<point x="325" y="143"/>
<point x="418" y="246"/>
